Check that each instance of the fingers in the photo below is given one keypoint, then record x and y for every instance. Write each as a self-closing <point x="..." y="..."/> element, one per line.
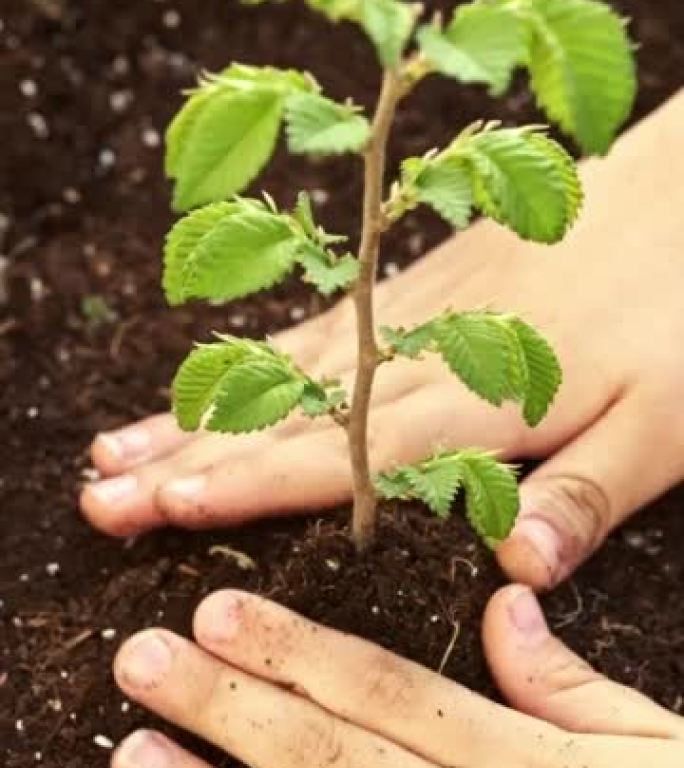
<point x="149" y="439"/>
<point x="542" y="677"/>
<point x="148" y="749"/>
<point x="361" y="683"/>
<point x="259" y="723"/>
<point x="574" y="500"/>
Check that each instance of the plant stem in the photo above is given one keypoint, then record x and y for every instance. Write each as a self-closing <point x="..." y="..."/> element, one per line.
<point x="368" y="356"/>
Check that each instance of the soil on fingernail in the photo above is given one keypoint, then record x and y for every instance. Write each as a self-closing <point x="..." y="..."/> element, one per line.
<point x="88" y="344"/>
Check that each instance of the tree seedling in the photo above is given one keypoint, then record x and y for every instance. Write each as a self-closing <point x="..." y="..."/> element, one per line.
<point x="579" y="59"/>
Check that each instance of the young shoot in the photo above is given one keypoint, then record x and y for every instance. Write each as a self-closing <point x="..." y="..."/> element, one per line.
<point x="581" y="70"/>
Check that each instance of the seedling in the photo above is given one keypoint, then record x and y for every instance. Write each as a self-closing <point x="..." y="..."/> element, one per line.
<point x="581" y="69"/>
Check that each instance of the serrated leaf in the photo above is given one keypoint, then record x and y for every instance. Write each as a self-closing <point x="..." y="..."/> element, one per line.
<point x="482" y="44"/>
<point x="227" y="252"/>
<point x="436" y="483"/>
<point x="318" y="399"/>
<point x="328" y="276"/>
<point x="582" y="69"/>
<point x="393" y="485"/>
<point x="246" y="77"/>
<point x="226" y="141"/>
<point x="182" y="241"/>
<point x="524" y="180"/>
<point x="255" y="394"/>
<point x="319" y="126"/>
<point x="409" y="343"/>
<point x="389" y="24"/>
<point x="446" y="186"/>
<point x="497" y="356"/>
<point x="543" y="374"/>
<point x="492" y="498"/>
<point x="476" y="346"/>
<point x="195" y="384"/>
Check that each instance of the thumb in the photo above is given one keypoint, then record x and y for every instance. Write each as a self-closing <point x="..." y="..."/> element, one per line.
<point x="576" y="498"/>
<point x="542" y="677"/>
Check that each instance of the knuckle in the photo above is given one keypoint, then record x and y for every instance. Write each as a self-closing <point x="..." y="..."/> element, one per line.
<point x="387" y="682"/>
<point x="560" y="672"/>
<point x="580" y="507"/>
<point x="318" y="742"/>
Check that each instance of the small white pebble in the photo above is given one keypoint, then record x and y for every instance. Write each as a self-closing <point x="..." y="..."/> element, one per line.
<point x="320" y="196"/>
<point x="64" y="674"/>
<point x="55" y="705"/>
<point x="151" y="138"/>
<point x="37" y="288"/>
<point x="106" y="158"/>
<point x="103" y="741"/>
<point x="38" y="124"/>
<point x="375" y="610"/>
<point x="333" y="564"/>
<point x="38" y="756"/>
<point x="121" y="66"/>
<point x="297" y="313"/>
<point x="24" y="577"/>
<point x="32" y="412"/>
<point x="391" y="269"/>
<point x="17" y="622"/>
<point x="28" y="88"/>
<point x="52" y="569"/>
<point x="125" y="706"/>
<point x="72" y="716"/>
<point x="238" y="321"/>
<point x="434" y="619"/>
<point x="171" y="19"/>
<point x="108" y="634"/>
<point x="71" y="195"/>
<point x="19" y="725"/>
<point x="119" y="101"/>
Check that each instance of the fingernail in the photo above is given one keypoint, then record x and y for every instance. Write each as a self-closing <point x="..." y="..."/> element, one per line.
<point x="144" y="749"/>
<point x="527" y="616"/>
<point x="115" y="490"/>
<point x="127" y="443"/>
<point x="544" y="539"/>
<point x="145" y="660"/>
<point x="220" y="618"/>
<point x="187" y="488"/>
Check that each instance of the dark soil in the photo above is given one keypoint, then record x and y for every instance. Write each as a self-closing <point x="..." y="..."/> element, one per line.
<point x="86" y="89"/>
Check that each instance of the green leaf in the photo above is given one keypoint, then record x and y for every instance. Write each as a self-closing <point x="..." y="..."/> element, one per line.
<point x="327" y="275"/>
<point x="389" y="24"/>
<point x="316" y="125"/>
<point x="227" y="140"/>
<point x="409" y="343"/>
<point x="476" y="347"/>
<point x="524" y="180"/>
<point x="497" y="356"/>
<point x="582" y="68"/>
<point x="255" y="394"/>
<point x="319" y="399"/>
<point x="228" y="251"/>
<point x="182" y="241"/>
<point x="335" y="9"/>
<point x="492" y="499"/>
<point x="236" y="385"/>
<point x="482" y="44"/>
<point x="436" y="483"/>
<point x="195" y="384"/>
<point x="445" y="185"/>
<point x="542" y="377"/>
<point x="245" y="77"/>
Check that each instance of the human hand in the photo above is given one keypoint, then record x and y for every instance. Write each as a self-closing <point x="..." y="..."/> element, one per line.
<point x="272" y="688"/>
<point x="609" y="297"/>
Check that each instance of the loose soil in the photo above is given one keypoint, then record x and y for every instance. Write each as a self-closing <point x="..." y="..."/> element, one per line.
<point x="85" y="92"/>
